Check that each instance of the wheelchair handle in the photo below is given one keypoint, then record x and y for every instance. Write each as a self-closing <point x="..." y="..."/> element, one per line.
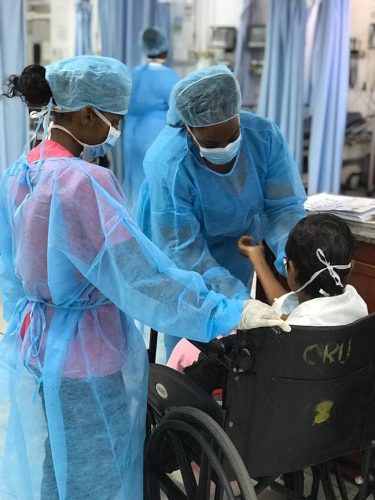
<point x="152" y="346"/>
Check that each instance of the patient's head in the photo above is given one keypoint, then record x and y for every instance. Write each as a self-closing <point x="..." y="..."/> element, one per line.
<point x="315" y="241"/>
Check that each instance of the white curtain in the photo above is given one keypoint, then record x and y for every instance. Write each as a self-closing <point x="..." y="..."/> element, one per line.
<point x="13" y="130"/>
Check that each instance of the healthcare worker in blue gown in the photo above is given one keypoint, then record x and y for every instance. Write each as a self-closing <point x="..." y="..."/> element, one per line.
<point x="214" y="174"/>
<point x="147" y="115"/>
<point x="75" y="271"/>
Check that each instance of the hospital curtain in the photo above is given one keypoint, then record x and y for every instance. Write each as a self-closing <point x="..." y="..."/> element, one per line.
<point x="253" y="13"/>
<point x="328" y="95"/>
<point x="83" y="28"/>
<point x="13" y="129"/>
<point x="281" y="93"/>
<point x="311" y="24"/>
<point x="243" y="55"/>
<point x="121" y="22"/>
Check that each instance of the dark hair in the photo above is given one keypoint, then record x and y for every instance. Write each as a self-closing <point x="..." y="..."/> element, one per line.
<point x="31" y="86"/>
<point x="162" y="55"/>
<point x="334" y="237"/>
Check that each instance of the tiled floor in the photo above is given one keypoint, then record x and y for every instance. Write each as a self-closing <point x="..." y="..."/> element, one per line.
<point x="269" y="494"/>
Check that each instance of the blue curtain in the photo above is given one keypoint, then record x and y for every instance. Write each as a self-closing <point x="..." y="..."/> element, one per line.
<point x="328" y="97"/>
<point x="281" y="94"/>
<point x="13" y="130"/>
<point x="311" y="24"/>
<point x="121" y="22"/>
<point x="253" y="12"/>
<point x="83" y="28"/>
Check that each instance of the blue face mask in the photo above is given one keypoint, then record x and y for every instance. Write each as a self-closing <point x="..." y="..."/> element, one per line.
<point x="91" y="151"/>
<point x="220" y="156"/>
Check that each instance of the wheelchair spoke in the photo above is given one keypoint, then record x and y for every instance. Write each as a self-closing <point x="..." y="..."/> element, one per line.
<point x="152" y="489"/>
<point x="170" y="488"/>
<point x="219" y="492"/>
<point x="186" y="470"/>
<point x="150" y="422"/>
<point x="185" y="437"/>
<point x="204" y="485"/>
<point x="326" y="481"/>
<point x="340" y="482"/>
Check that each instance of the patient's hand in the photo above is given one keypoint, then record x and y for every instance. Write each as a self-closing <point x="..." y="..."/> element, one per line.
<point x="256" y="253"/>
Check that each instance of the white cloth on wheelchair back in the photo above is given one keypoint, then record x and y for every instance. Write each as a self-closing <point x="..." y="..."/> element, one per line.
<point x="323" y="311"/>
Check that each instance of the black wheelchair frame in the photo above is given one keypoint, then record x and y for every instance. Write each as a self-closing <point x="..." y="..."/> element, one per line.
<point x="293" y="400"/>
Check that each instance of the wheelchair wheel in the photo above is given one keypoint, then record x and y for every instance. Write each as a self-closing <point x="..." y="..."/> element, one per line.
<point x="189" y="441"/>
<point x="152" y="419"/>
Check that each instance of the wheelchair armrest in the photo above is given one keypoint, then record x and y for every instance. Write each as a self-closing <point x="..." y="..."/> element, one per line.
<point x="215" y="346"/>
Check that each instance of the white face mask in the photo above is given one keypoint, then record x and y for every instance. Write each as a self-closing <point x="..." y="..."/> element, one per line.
<point x="327" y="267"/>
<point x="91" y="151"/>
<point x="219" y="156"/>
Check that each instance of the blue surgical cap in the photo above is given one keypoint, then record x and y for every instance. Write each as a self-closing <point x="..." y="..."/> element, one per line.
<point x="101" y="82"/>
<point x="205" y="97"/>
<point x="154" y="42"/>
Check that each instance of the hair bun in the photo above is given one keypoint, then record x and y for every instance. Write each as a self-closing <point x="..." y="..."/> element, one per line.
<point x="31" y="86"/>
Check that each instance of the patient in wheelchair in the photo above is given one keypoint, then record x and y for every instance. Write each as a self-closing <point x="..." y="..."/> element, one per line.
<point x="319" y="258"/>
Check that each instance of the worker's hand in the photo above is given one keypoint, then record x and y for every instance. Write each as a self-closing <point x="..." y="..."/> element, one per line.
<point x="255" y="252"/>
<point x="256" y="314"/>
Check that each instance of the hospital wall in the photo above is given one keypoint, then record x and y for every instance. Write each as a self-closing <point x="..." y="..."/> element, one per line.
<point x="54" y="30"/>
<point x="192" y="24"/>
<point x="192" y="21"/>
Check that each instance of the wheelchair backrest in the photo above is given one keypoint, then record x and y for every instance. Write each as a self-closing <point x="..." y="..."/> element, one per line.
<point x="301" y="398"/>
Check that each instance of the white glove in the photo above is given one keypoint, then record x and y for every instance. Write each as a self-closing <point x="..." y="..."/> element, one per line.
<point x="256" y="314"/>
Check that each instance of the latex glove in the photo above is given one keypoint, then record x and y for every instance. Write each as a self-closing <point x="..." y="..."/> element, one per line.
<point x="256" y="314"/>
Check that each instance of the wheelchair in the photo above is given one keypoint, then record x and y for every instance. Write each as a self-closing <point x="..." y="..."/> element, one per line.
<point x="292" y="401"/>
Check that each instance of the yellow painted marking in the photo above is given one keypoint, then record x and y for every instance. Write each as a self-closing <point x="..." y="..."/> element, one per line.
<point x="327" y="353"/>
<point x="323" y="412"/>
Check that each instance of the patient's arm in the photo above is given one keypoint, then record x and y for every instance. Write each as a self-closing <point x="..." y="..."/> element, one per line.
<point x="255" y="253"/>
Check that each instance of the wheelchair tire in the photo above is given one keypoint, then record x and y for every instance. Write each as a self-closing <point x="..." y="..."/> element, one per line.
<point x="187" y="436"/>
<point x="152" y="419"/>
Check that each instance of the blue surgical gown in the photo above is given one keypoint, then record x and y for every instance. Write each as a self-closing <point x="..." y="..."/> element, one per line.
<point x="75" y="270"/>
<point x="151" y="85"/>
<point x="196" y="215"/>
